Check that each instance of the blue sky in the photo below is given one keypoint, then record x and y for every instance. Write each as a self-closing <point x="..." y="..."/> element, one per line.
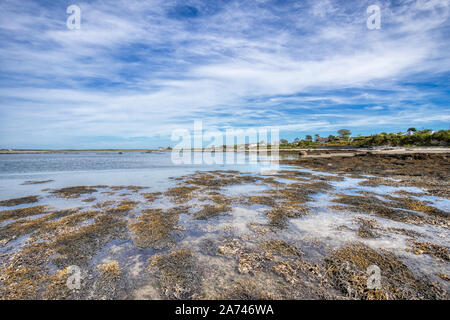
<point x="138" y="70"/>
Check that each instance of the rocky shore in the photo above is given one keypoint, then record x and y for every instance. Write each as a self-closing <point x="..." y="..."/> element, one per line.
<point x="309" y="231"/>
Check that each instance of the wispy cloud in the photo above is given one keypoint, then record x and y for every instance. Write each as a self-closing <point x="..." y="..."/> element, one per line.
<point x="139" y="69"/>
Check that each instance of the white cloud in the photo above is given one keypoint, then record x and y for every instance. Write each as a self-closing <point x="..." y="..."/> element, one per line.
<point x="132" y="70"/>
<point x="375" y="108"/>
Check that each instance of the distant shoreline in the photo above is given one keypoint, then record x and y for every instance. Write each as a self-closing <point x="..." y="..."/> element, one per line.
<point x="383" y="150"/>
<point x="78" y="151"/>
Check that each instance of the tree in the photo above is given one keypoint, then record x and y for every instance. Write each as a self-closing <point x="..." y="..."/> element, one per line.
<point x="344" y="133"/>
<point x="296" y="141"/>
<point x="331" y="137"/>
<point x="316" y="137"/>
<point x="308" y="138"/>
<point x="284" y="141"/>
<point x="412" y="129"/>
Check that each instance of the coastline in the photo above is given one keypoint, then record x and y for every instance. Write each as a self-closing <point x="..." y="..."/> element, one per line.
<point x="76" y="151"/>
<point x="311" y="152"/>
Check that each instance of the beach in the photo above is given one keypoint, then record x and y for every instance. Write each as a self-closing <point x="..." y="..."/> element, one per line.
<point x="138" y="227"/>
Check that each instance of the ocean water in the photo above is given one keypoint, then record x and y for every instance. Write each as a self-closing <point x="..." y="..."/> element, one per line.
<point x="102" y="168"/>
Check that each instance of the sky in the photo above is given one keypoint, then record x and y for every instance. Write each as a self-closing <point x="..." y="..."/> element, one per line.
<point x="136" y="71"/>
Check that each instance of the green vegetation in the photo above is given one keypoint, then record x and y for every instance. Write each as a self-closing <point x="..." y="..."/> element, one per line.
<point x="344" y="133"/>
<point x="411" y="138"/>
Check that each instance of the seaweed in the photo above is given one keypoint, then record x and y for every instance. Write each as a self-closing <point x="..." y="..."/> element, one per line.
<point x="347" y="270"/>
<point x="280" y="247"/>
<point x="217" y="179"/>
<point x="180" y="194"/>
<point x="130" y="188"/>
<point x="123" y="207"/>
<point x="110" y="269"/>
<point x="24" y="274"/>
<point x="73" y="192"/>
<point x="279" y="215"/>
<point x="367" y="228"/>
<point x="22" y="212"/>
<point x="230" y="247"/>
<point x="396" y="209"/>
<point x="154" y="229"/>
<point x="22" y="227"/>
<point x="17" y="201"/>
<point x="110" y="284"/>
<point x="298" y="193"/>
<point x="179" y="274"/>
<point x="252" y="261"/>
<point x="263" y="200"/>
<point x="221" y="199"/>
<point x="103" y="204"/>
<point x="426" y="170"/>
<point x="90" y="199"/>
<point x="151" y="196"/>
<point x="57" y="286"/>
<point x="436" y="251"/>
<point x="247" y="289"/>
<point x="211" y="211"/>
<point x="36" y="182"/>
<point x="66" y="219"/>
<point x="79" y="246"/>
